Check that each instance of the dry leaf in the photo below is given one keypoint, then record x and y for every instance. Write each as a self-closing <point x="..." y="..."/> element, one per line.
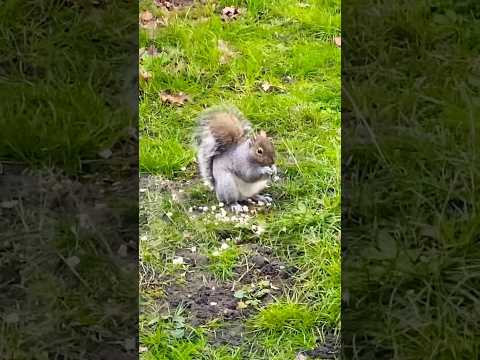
<point x="174" y="99"/>
<point x="142" y="349"/>
<point x="230" y="13"/>
<point x="146" y="16"/>
<point x="132" y="132"/>
<point x="226" y="52"/>
<point x="145" y="75"/>
<point x="241" y="305"/>
<point x="72" y="261"/>
<point x="164" y="4"/>
<point x="173" y="4"/>
<point x="338" y="41"/>
<point x="105" y="153"/>
<point x="141" y="52"/>
<point x="130" y="344"/>
<point x="152" y="50"/>
<point x="300" y="356"/>
<point x="122" y="251"/>
<point x="11" y="318"/>
<point x="178" y="260"/>
<point x="267" y="87"/>
<point x="8" y="204"/>
<point x="148" y="21"/>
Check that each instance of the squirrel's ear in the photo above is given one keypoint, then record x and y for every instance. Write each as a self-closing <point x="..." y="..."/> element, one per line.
<point x="263" y="134"/>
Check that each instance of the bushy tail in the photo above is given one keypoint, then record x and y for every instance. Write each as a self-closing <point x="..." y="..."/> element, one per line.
<point x="217" y="128"/>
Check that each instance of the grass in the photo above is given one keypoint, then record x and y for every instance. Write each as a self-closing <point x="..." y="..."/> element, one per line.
<point x="289" y="45"/>
<point x="412" y="283"/>
<point x="64" y="88"/>
<point x="62" y="83"/>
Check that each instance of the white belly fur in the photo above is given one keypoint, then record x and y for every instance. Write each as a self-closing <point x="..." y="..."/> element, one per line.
<point x="249" y="189"/>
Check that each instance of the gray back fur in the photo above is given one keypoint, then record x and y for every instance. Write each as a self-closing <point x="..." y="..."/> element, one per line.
<point x="205" y="143"/>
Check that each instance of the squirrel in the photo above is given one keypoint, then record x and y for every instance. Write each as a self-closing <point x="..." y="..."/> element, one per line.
<point x="233" y="161"/>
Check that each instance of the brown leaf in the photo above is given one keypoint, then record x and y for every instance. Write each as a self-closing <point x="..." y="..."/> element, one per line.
<point x="146" y="16"/>
<point x="152" y="50"/>
<point x="171" y="5"/>
<point x="148" y="21"/>
<point x="227" y="53"/>
<point x="105" y="153"/>
<point x="8" y="204"/>
<point x="174" y="99"/>
<point x="267" y="87"/>
<point x="141" y="52"/>
<point x="241" y="305"/>
<point x="338" y="41"/>
<point x="145" y="75"/>
<point x="230" y="13"/>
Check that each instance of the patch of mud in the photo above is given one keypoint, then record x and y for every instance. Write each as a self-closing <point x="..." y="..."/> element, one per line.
<point x="230" y="333"/>
<point x="261" y="276"/>
<point x="329" y="348"/>
<point x="72" y="238"/>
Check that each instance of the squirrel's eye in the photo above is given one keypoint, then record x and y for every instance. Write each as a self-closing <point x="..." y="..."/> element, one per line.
<point x="259" y="151"/>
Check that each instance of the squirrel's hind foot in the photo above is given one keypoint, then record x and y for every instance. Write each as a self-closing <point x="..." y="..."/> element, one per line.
<point x="236" y="207"/>
<point x="266" y="199"/>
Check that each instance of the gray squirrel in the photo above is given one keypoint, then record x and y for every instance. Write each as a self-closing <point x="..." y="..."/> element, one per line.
<point x="233" y="161"/>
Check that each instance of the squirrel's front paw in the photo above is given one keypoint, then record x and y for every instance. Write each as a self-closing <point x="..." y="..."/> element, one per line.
<point x="267" y="170"/>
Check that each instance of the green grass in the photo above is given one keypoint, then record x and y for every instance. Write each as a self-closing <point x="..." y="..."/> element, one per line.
<point x="413" y="282"/>
<point x="64" y="88"/>
<point x="64" y="70"/>
<point x="273" y="41"/>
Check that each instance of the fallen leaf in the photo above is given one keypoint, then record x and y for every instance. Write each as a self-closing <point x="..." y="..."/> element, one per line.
<point x="148" y="21"/>
<point x="267" y="87"/>
<point x="152" y="50"/>
<point x="164" y="4"/>
<point x="146" y="16"/>
<point x="8" y="204"/>
<point x="142" y="349"/>
<point x="122" y="251"/>
<point x="304" y="5"/>
<point x="105" y="153"/>
<point x="174" y="99"/>
<point x="338" y="41"/>
<point x="145" y="75"/>
<point x="11" y="318"/>
<point x="230" y="13"/>
<point x="129" y="344"/>
<point x="241" y="305"/>
<point x="72" y="261"/>
<point x="132" y="132"/>
<point x="172" y="4"/>
<point x="300" y="356"/>
<point x="226" y="52"/>
<point x="141" y="53"/>
<point x="84" y="221"/>
<point x="178" y="260"/>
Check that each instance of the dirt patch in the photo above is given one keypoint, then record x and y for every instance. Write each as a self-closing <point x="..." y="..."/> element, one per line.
<point x="329" y="348"/>
<point x="71" y="239"/>
<point x="257" y="280"/>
